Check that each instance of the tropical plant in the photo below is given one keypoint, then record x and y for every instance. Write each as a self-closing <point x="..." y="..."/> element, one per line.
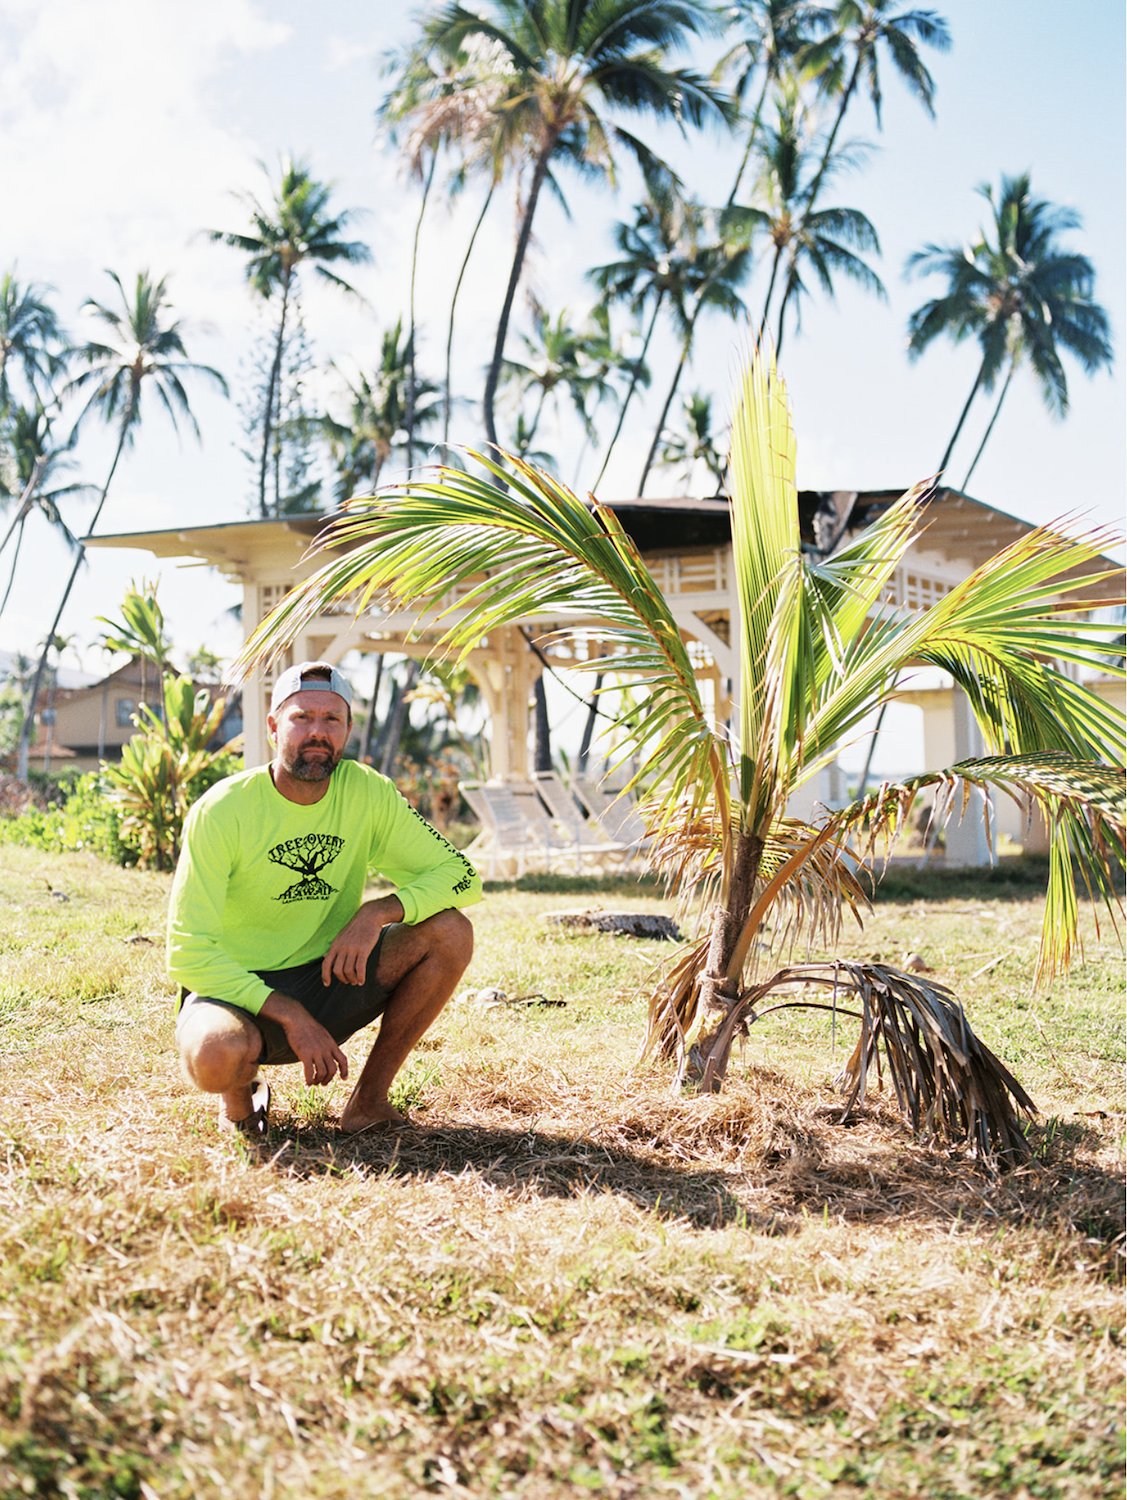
<point x="556" y="362"/>
<point x="819" y="650"/>
<point x="1021" y="295"/>
<point x="293" y="227"/>
<point x="145" y="354"/>
<point x="166" y="767"/>
<point x="567" y="62"/>
<point x="800" y="235"/>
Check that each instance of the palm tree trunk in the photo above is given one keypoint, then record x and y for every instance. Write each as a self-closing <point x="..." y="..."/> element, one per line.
<point x="453" y="306"/>
<point x="634" y="378"/>
<point x="542" y="739"/>
<point x="753" y="131"/>
<point x="782" y="314"/>
<point x="717" y="985"/>
<point x="397" y="719"/>
<point x="272" y="397"/>
<point x="770" y="293"/>
<point x="993" y="419"/>
<point x="812" y="191"/>
<point x="686" y="344"/>
<point x="370" y="726"/>
<point x="409" y="413"/>
<point x="539" y="173"/>
<point x="589" y="726"/>
<point x="962" y="418"/>
<point x="37" y="680"/>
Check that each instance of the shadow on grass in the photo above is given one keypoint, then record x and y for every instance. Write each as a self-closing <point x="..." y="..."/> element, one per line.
<point x="811" y="1171"/>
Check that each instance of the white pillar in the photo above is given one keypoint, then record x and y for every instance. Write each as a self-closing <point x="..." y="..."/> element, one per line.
<point x="968" y="843"/>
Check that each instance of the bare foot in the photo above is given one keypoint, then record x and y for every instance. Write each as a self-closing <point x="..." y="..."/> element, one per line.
<point x="358" y="1116"/>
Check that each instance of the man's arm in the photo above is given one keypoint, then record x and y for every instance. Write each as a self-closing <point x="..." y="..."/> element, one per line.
<point x="314" y="1048"/>
<point x="349" y="951"/>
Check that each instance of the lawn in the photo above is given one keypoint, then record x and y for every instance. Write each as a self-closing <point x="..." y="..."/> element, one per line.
<point x="572" y="1281"/>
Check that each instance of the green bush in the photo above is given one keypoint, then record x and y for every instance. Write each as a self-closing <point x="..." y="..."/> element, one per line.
<point x="89" y="819"/>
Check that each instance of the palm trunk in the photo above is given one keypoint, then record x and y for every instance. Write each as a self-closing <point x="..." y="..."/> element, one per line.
<point x="770" y="293"/>
<point x="539" y="173"/>
<point x="37" y="680"/>
<point x="686" y="344"/>
<point x="719" y="987"/>
<point x="272" y="399"/>
<point x="370" y="726"/>
<point x="542" y="743"/>
<point x="782" y="314"/>
<point x="397" y="719"/>
<point x="409" y="413"/>
<point x="589" y="726"/>
<point x="993" y="419"/>
<point x="753" y="131"/>
<point x="635" y="377"/>
<point x="812" y="191"/>
<point x="453" y="306"/>
<point x="962" y="418"/>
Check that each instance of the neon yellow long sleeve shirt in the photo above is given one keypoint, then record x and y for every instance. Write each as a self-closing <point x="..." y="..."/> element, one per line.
<point x="266" y="883"/>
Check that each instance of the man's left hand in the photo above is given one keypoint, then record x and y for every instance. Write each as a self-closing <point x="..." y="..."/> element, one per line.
<point x="347" y="958"/>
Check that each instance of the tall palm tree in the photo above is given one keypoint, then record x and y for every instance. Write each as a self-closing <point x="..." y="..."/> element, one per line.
<point x="292" y="227"/>
<point x="557" y="361"/>
<point x="35" y="464"/>
<point x="774" y="36"/>
<point x="655" y="270"/>
<point x="818" y="651"/>
<point x="30" y="337"/>
<point x="143" y="352"/>
<point x="569" y="63"/>
<point x="801" y="235"/>
<point x="377" y="420"/>
<point x="850" y="56"/>
<point x="718" y="264"/>
<point x="695" y="444"/>
<point x="1021" y="295"/>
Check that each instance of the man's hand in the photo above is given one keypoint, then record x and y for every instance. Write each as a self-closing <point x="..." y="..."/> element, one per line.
<point x="347" y="958"/>
<point x="314" y="1048"/>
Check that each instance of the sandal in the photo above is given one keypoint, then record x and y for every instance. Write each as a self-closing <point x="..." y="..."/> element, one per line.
<point x="257" y="1123"/>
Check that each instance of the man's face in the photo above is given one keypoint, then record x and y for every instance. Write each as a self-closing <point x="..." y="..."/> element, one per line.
<point x="310" y="731"/>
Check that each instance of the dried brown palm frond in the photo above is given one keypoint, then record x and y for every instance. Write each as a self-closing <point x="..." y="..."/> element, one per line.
<point x="949" y="1086"/>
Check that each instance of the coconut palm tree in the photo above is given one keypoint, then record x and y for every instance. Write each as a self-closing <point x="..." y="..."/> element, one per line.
<point x="818" y="651"/>
<point x="801" y="236"/>
<point x="1021" y="295"/>
<point x="35" y="461"/>
<point x="143" y="353"/>
<point x="569" y="62"/>
<point x="377" y="420"/>
<point x="30" y="337"/>
<point x="774" y="36"/>
<point x="695" y="444"/>
<point x="558" y="361"/>
<point x="655" y="271"/>
<point x="850" y="57"/>
<point x="293" y="227"/>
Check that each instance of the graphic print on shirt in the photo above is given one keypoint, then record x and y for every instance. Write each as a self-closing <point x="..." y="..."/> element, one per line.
<point x="308" y="856"/>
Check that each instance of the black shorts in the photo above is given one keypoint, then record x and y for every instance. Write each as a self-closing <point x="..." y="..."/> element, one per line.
<point x="342" y="1009"/>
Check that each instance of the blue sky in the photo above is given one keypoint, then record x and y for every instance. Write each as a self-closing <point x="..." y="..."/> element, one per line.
<point x="126" y="125"/>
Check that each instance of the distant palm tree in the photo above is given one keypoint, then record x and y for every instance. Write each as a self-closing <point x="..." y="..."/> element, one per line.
<point x="556" y="361"/>
<point x="143" y="352"/>
<point x="823" y="239"/>
<point x="31" y="337"/>
<point x="567" y="62"/>
<point x="293" y="227"/>
<point x="774" y="36"/>
<point x="377" y="421"/>
<point x="1022" y="296"/>
<point x="655" y="271"/>
<point x="695" y="444"/>
<point x="851" y="55"/>
<point x="35" y="461"/>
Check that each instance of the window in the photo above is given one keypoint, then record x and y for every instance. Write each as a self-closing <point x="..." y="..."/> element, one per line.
<point x="123" y="713"/>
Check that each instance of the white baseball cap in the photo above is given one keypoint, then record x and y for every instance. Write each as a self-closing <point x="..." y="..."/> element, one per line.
<point x="295" y="679"/>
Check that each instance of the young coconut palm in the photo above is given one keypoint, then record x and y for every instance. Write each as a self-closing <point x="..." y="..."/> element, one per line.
<point x="819" y="651"/>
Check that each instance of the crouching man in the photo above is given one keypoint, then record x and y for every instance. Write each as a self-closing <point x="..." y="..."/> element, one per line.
<point x="279" y="957"/>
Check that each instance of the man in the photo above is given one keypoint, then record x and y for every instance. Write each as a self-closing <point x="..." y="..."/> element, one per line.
<point x="268" y="930"/>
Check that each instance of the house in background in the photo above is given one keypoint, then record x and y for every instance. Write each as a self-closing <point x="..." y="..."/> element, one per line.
<point x="84" y="726"/>
<point x="687" y="546"/>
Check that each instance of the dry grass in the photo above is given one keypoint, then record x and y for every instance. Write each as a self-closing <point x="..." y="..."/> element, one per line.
<point x="570" y="1281"/>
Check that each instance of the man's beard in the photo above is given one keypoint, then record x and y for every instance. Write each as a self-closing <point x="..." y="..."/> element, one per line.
<point x="313" y="770"/>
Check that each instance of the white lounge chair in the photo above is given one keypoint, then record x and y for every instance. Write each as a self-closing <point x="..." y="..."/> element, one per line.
<point x="615" y="813"/>
<point x="584" y="831"/>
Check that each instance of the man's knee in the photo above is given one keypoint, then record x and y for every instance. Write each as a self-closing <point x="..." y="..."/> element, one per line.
<point x="453" y="938"/>
<point x="216" y="1047"/>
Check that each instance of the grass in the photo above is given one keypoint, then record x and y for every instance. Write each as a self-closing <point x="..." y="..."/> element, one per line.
<point x="573" y="1282"/>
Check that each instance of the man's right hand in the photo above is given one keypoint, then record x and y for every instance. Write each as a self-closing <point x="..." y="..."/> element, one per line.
<point x="312" y="1045"/>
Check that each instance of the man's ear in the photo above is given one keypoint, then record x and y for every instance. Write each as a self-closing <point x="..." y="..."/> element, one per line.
<point x="272" y="728"/>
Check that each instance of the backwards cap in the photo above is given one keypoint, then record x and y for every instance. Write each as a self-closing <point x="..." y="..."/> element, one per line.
<point x="295" y="679"/>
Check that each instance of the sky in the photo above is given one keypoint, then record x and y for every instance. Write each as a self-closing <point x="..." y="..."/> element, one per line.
<point x="127" y="127"/>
